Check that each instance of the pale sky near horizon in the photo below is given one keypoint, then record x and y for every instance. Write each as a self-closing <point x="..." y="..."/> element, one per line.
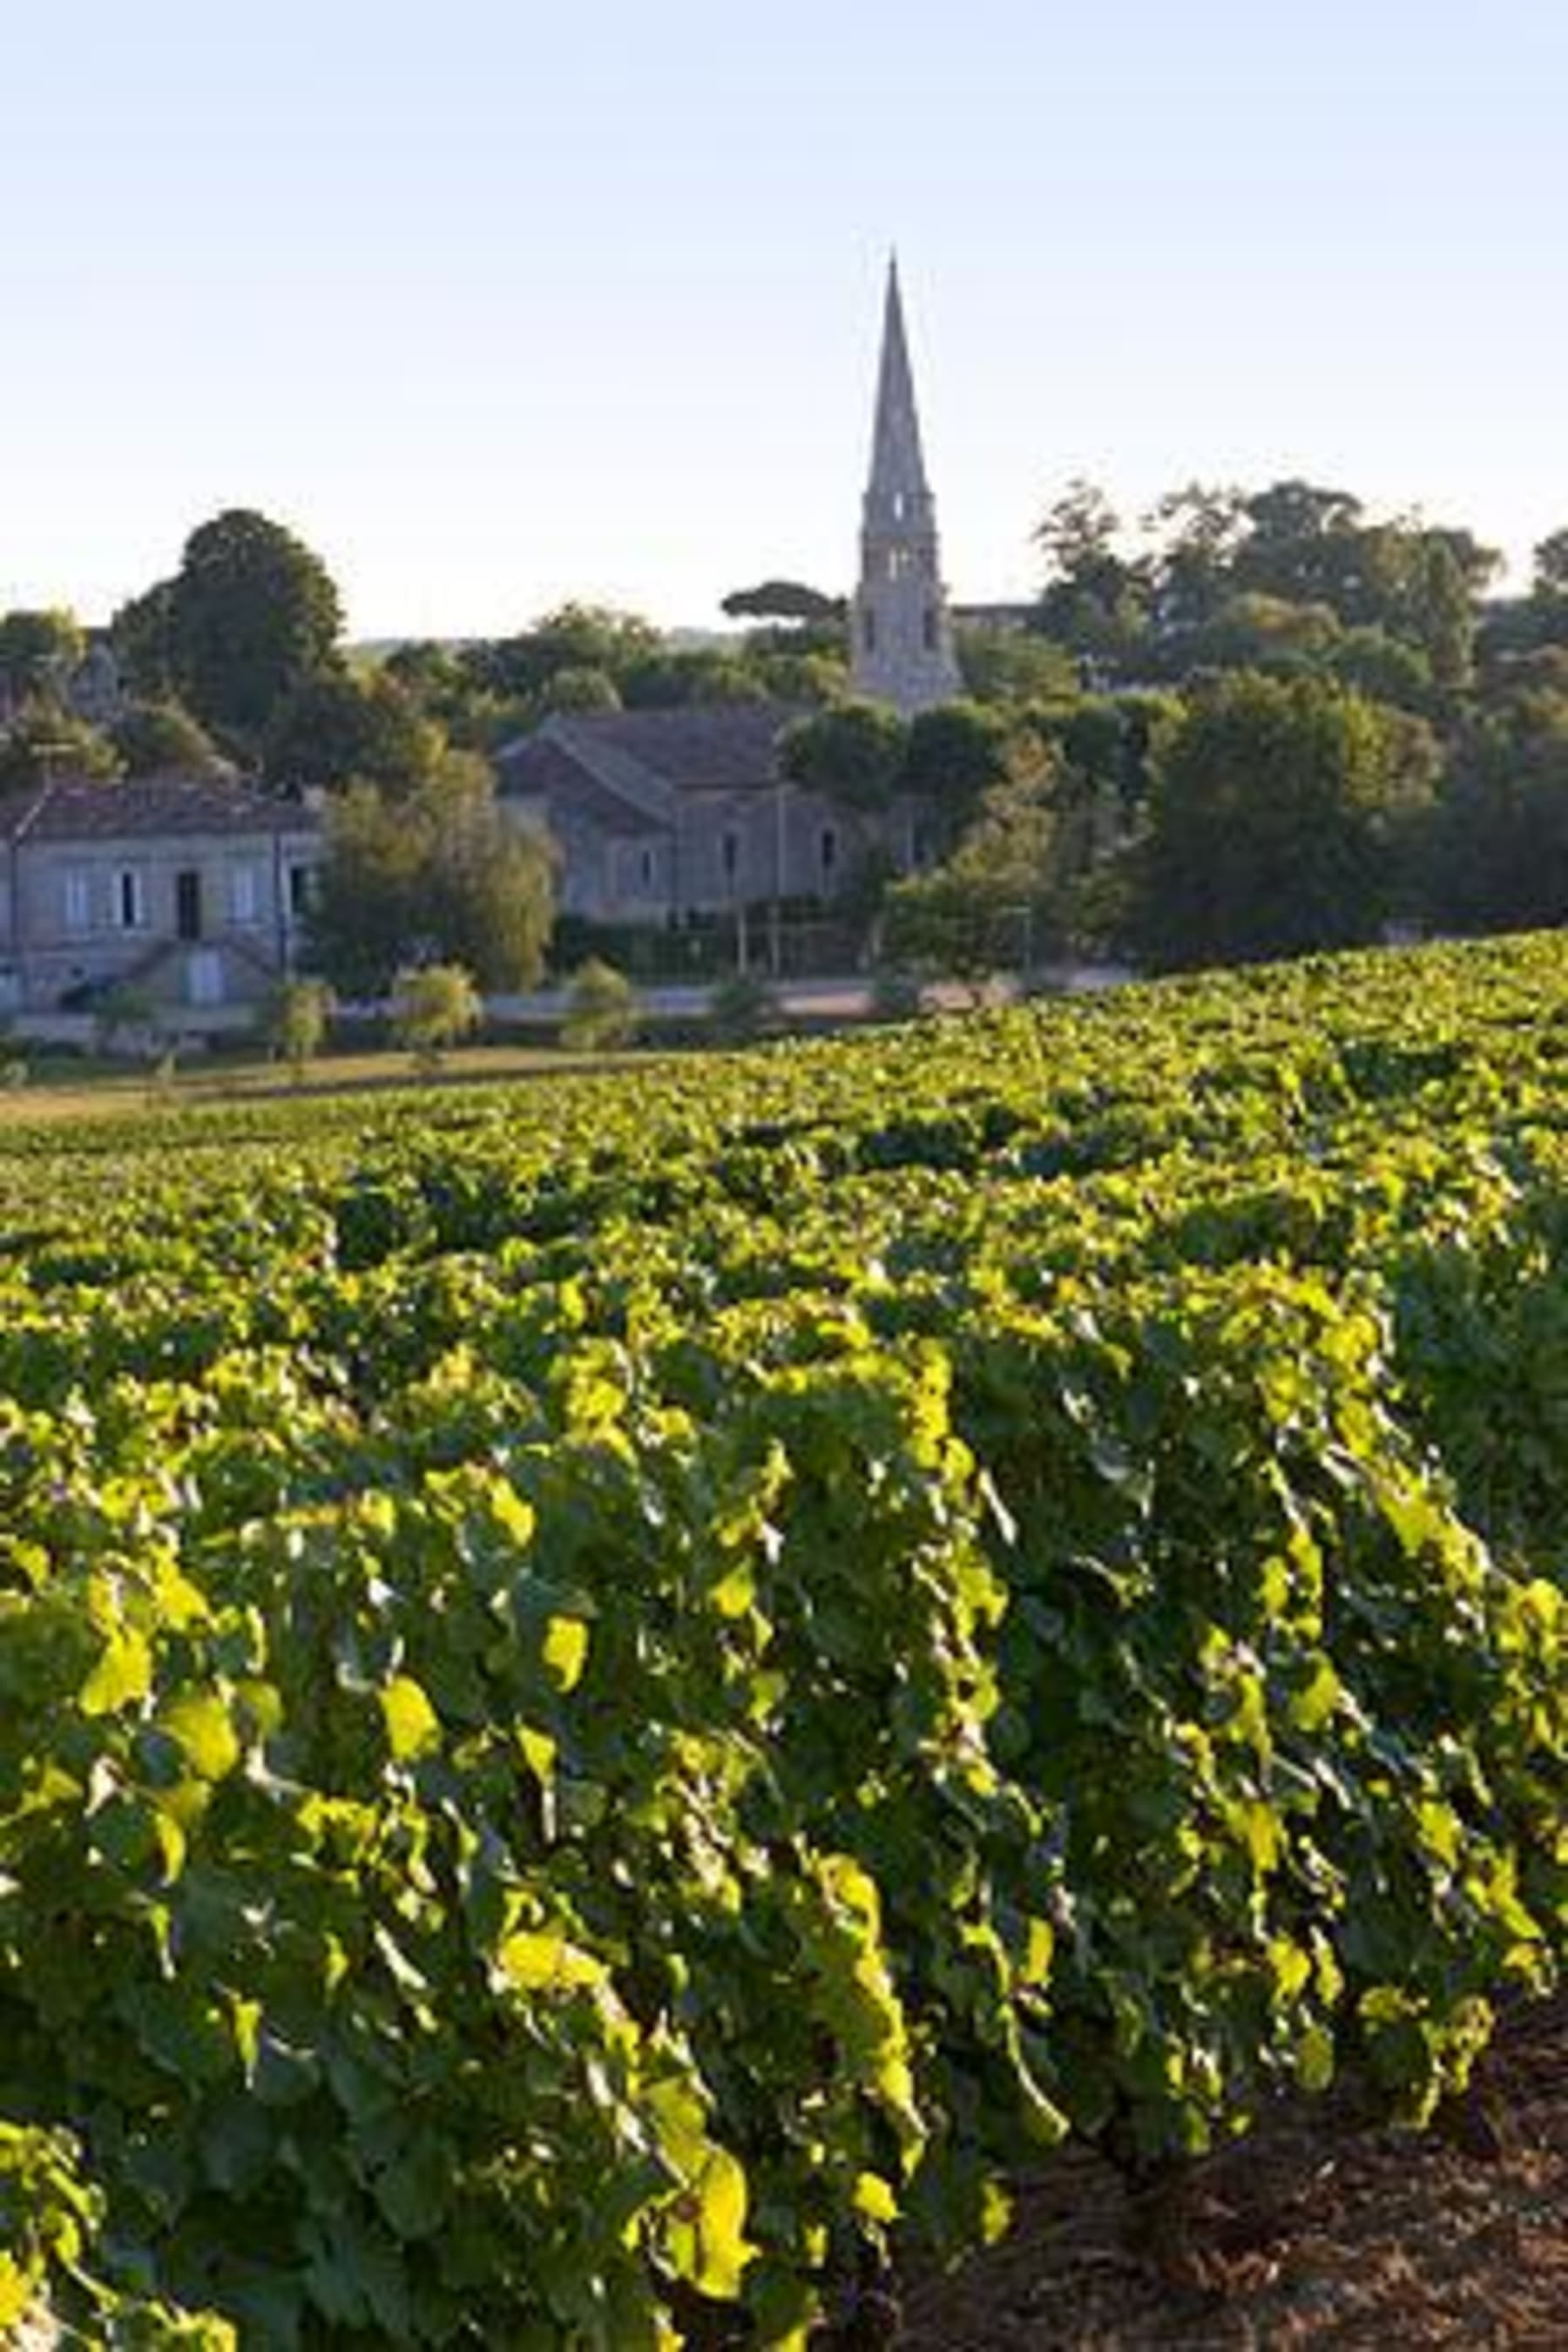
<point x="496" y="304"/>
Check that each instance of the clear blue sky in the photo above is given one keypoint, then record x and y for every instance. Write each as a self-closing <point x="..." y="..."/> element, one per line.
<point x="496" y="303"/>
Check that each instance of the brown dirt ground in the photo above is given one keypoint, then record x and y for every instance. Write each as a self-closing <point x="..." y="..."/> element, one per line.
<point x="1316" y="2231"/>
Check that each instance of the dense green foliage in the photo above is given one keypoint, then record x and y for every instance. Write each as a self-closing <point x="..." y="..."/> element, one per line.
<point x="604" y="1690"/>
<point x="1277" y="819"/>
<point x="251" y="614"/>
<point x="439" y="871"/>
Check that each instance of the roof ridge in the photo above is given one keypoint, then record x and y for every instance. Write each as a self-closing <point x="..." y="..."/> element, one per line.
<point x="619" y="772"/>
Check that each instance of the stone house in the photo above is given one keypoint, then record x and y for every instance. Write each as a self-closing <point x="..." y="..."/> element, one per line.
<point x="189" y="889"/>
<point x="665" y="816"/>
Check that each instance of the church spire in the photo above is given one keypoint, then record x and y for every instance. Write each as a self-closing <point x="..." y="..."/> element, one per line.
<point x="902" y="650"/>
<point x="896" y="462"/>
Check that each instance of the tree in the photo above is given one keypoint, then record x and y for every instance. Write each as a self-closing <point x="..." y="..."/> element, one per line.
<point x="332" y="727"/>
<point x="1078" y="533"/>
<point x="142" y="635"/>
<point x="489" y="880"/>
<point x="953" y="753"/>
<point x="668" y="681"/>
<point x="1095" y="601"/>
<point x="45" y="740"/>
<point x="438" y="874"/>
<point x="1441" y="607"/>
<point x="1201" y="529"/>
<point x="602" y="1009"/>
<point x="1279" y="810"/>
<point x="1498" y="839"/>
<point x="437" y="1004"/>
<point x="578" y="689"/>
<point x="444" y="684"/>
<point x="574" y="636"/>
<point x="783" y="600"/>
<point x="1254" y="631"/>
<point x="1550" y="578"/>
<point x="852" y="752"/>
<point x="37" y="648"/>
<point x="251" y="614"/>
<point x="990" y="905"/>
<point x="814" y="678"/>
<point x="1383" y="667"/>
<point x="1013" y="665"/>
<point x="1417" y="581"/>
<point x="301" y="1012"/>
<point x="1107" y="748"/>
<point x="155" y="739"/>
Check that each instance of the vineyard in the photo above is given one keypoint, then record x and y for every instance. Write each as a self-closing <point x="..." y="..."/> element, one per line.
<point x="618" y="1692"/>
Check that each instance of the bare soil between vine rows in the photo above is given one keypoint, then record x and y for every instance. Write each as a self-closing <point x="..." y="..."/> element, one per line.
<point x="1318" y="2230"/>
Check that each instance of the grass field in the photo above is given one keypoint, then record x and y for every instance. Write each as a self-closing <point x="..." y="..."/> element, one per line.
<point x="70" y="1088"/>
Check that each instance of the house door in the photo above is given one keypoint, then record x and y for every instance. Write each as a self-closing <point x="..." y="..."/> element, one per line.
<point x="204" y="976"/>
<point x="188" y="903"/>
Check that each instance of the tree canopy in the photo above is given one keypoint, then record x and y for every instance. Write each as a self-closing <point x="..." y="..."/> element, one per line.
<point x="36" y="648"/>
<point x="1278" y="810"/>
<point x="437" y="874"/>
<point x="332" y="727"/>
<point x="783" y="600"/>
<point x="853" y="753"/>
<point x="248" y="617"/>
<point x="156" y="738"/>
<point x="45" y="739"/>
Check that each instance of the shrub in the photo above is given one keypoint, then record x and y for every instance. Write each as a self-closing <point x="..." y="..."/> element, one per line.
<point x="435" y="1007"/>
<point x="741" y="1007"/>
<point x="602" y="1009"/>
<point x="301" y="1012"/>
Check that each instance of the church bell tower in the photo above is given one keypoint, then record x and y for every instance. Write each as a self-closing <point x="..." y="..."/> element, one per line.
<point x="902" y="649"/>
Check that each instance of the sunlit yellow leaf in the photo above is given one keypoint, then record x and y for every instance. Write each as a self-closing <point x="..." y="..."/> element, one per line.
<point x="123" y="1673"/>
<point x="539" y="1961"/>
<point x="874" y="2197"/>
<point x="17" y="2291"/>
<point x="200" y="1723"/>
<point x="708" y="2235"/>
<point x="566" y="1651"/>
<point x="413" y="1727"/>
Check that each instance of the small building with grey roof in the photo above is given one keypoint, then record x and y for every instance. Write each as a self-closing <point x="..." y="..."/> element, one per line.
<point x="667" y="817"/>
<point x="189" y="889"/>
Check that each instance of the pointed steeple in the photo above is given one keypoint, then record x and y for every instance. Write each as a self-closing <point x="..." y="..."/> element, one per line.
<point x="897" y="463"/>
<point x="902" y="650"/>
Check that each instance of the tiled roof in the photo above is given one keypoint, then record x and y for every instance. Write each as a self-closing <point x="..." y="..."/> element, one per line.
<point x="82" y="808"/>
<point x="702" y="747"/>
<point x="540" y="768"/>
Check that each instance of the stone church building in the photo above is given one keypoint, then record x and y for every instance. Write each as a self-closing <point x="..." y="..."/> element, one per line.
<point x="665" y="816"/>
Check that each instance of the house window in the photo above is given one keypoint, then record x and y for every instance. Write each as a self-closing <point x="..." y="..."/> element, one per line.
<point x="299" y="890"/>
<point x="79" y="901"/>
<point x="244" y="899"/>
<point x="931" y="629"/>
<point x="828" y="849"/>
<point x="869" y="630"/>
<point x="729" y="854"/>
<point x="645" y="869"/>
<point x="188" y="903"/>
<point x="131" y="898"/>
